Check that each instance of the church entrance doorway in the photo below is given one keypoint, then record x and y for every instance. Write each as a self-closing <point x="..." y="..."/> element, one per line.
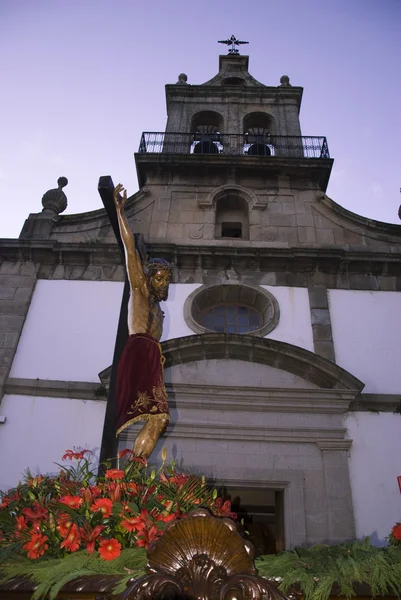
<point x="262" y="514"/>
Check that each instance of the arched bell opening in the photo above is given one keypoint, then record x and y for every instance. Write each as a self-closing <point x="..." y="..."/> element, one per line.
<point x="206" y="127"/>
<point x="259" y="129"/>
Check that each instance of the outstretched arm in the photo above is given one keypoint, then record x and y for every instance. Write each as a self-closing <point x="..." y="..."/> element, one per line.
<point x="134" y="266"/>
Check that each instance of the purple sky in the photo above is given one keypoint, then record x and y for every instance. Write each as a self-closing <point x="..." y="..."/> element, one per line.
<point x="82" y="79"/>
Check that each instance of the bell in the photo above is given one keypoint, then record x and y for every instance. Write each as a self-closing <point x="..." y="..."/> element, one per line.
<point x="259" y="149"/>
<point x="206" y="147"/>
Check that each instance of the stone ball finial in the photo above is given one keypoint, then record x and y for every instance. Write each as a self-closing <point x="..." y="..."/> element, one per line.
<point x="285" y="80"/>
<point x="54" y="201"/>
<point x="182" y="79"/>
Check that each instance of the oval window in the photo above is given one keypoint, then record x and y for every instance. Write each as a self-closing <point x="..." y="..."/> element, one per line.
<point x="232" y="308"/>
<point x="231" y="318"/>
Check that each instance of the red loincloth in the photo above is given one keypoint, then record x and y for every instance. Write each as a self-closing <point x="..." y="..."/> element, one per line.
<point x="141" y="393"/>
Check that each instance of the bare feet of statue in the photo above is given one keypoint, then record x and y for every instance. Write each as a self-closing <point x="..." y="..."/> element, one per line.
<point x="148" y="437"/>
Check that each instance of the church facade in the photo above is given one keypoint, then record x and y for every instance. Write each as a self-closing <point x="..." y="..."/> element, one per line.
<point x="281" y="332"/>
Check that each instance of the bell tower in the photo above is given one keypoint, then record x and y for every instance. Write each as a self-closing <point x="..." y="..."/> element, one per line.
<point x="232" y="164"/>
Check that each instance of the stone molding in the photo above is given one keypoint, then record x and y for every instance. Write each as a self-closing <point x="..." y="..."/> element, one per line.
<point x="316" y="170"/>
<point x="207" y="431"/>
<point x="77" y="390"/>
<point x="245" y="193"/>
<point x="316" y="369"/>
<point x="345" y="218"/>
<point x="198" y="397"/>
<point x="337" y="445"/>
<point x="283" y="400"/>
<point x="206" y="296"/>
<point x="257" y="263"/>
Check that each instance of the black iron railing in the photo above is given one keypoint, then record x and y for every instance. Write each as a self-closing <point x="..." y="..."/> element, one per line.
<point x="234" y="144"/>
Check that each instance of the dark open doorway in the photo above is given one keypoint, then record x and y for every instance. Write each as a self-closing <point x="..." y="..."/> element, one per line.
<point x="262" y="513"/>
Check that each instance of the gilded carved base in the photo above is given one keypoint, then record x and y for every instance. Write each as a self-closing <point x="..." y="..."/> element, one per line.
<point x="201" y="558"/>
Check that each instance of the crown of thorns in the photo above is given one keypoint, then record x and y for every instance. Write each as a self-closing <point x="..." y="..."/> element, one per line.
<point x="156" y="264"/>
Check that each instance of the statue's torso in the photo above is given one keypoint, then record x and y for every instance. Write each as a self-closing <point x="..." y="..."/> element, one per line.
<point x="142" y="318"/>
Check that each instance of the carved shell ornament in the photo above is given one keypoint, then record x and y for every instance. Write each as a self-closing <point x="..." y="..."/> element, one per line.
<point x="201" y="558"/>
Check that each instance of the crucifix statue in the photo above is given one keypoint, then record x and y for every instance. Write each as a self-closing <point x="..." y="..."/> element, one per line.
<point x="137" y="390"/>
<point x="141" y="393"/>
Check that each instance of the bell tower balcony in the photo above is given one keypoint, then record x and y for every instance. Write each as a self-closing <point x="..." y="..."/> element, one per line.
<point x="288" y="155"/>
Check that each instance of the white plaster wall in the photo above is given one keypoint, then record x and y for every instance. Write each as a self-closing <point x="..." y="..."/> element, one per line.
<point x="375" y="463"/>
<point x="366" y="333"/>
<point x="38" y="430"/>
<point x="71" y="326"/>
<point x="295" y="326"/>
<point x="295" y="322"/>
<point x="174" y="323"/>
<point x="70" y="330"/>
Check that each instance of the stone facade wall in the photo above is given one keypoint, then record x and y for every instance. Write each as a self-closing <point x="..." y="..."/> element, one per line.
<point x="17" y="282"/>
<point x="292" y="444"/>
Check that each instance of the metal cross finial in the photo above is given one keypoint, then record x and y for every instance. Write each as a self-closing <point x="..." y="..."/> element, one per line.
<point x="232" y="42"/>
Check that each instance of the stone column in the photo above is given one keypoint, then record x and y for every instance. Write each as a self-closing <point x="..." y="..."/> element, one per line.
<point x="321" y="323"/>
<point x="340" y="513"/>
<point x="17" y="282"/>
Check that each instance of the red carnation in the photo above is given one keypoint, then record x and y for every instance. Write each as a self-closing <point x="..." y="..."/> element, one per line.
<point x="115" y="474"/>
<point x="131" y="488"/>
<point x="104" y="505"/>
<point x="64" y="524"/>
<point x="396" y="531"/>
<point x="130" y="523"/>
<point x="36" y="546"/>
<point x="109" y="549"/>
<point x="72" y="501"/>
<point x="137" y="523"/>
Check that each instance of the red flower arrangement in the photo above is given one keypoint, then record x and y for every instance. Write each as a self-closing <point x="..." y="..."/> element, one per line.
<point x="78" y="510"/>
<point x="395" y="536"/>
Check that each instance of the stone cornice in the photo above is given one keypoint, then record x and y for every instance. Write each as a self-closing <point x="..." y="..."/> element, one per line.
<point x="78" y="390"/>
<point x="199" y="397"/>
<point x="318" y="169"/>
<point x="371" y="225"/>
<point x="206" y="431"/>
<point x="336" y="445"/>
<point x="254" y="256"/>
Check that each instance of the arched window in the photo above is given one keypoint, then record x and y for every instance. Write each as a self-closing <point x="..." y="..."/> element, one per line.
<point x="206" y="127"/>
<point x="258" y="129"/>
<point x="232" y="216"/>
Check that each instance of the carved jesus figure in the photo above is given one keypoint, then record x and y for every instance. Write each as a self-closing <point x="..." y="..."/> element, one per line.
<point x="141" y="393"/>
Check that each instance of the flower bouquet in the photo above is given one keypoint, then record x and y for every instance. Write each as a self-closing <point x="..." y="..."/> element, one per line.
<point x="55" y="528"/>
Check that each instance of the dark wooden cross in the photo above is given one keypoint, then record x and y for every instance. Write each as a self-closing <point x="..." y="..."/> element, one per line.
<point x="109" y="443"/>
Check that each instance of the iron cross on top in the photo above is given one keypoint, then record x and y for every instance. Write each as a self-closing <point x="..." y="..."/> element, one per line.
<point x="232" y="41"/>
